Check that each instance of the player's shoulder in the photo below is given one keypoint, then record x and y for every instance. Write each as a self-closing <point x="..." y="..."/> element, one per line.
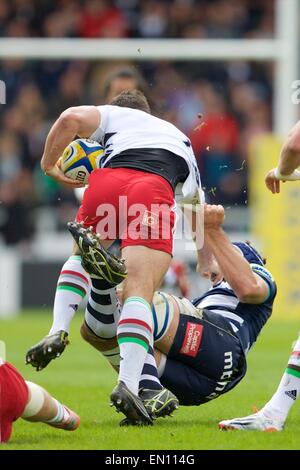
<point x="122" y="110"/>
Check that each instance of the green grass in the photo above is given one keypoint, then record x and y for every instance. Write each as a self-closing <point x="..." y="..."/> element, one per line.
<point x="82" y="380"/>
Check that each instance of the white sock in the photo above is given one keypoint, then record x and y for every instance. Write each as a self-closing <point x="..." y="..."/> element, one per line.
<point x="135" y="334"/>
<point x="72" y="287"/>
<point x="289" y="388"/>
<point x="61" y="415"/>
<point x="102" y="316"/>
<point x="103" y="309"/>
<point x="113" y="356"/>
<point x="149" y="378"/>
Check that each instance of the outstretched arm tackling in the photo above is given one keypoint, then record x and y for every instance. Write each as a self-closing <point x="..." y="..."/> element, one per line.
<point x="247" y="285"/>
<point x="289" y="161"/>
<point x="195" y="218"/>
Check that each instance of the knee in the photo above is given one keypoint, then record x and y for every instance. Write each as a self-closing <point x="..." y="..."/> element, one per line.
<point x="36" y="402"/>
<point x="86" y="334"/>
<point x="138" y="287"/>
<point x="101" y="344"/>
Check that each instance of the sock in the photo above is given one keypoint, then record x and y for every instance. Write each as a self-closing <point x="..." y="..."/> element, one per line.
<point x="113" y="356"/>
<point x="162" y="365"/>
<point x="72" y="287"/>
<point x="135" y="334"/>
<point x="103" y="309"/>
<point x="149" y="377"/>
<point x="289" y="388"/>
<point x="62" y="414"/>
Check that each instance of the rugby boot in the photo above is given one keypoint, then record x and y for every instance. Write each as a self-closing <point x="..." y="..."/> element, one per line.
<point x="131" y="405"/>
<point x="159" y="403"/>
<point x="97" y="261"/>
<point x="48" y="348"/>
<point x="259" y="421"/>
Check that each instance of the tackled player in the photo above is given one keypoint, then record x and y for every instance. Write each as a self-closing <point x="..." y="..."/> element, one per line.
<point x="200" y="346"/>
<point x="145" y="159"/>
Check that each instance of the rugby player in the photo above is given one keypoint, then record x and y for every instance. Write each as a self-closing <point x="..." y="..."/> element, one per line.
<point x="145" y="159"/>
<point x="74" y="283"/>
<point x="273" y="415"/>
<point x="22" y="399"/>
<point x="201" y="346"/>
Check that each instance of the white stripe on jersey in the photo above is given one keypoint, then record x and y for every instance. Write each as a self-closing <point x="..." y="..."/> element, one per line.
<point x="225" y="300"/>
<point x="235" y="329"/>
<point x="231" y="315"/>
<point x="222" y="300"/>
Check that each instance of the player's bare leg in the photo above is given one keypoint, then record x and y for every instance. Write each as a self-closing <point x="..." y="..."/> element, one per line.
<point x="42" y="407"/>
<point x="158" y="400"/>
<point x="102" y="345"/>
<point x="135" y="329"/>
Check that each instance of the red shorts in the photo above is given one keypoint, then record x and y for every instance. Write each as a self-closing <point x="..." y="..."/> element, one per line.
<point x="13" y="399"/>
<point x="132" y="206"/>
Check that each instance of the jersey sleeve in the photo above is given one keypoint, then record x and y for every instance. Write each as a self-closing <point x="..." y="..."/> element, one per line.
<point x="99" y="133"/>
<point x="262" y="272"/>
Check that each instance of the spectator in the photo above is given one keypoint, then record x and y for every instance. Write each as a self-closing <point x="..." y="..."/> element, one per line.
<point x="146" y="18"/>
<point x="101" y="19"/>
<point x="215" y="141"/>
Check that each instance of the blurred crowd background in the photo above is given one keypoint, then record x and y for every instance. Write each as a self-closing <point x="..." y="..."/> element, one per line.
<point x="137" y="18"/>
<point x="221" y="106"/>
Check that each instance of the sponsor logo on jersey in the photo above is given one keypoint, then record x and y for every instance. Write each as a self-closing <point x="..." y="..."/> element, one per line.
<point x="192" y="339"/>
<point x="225" y="377"/>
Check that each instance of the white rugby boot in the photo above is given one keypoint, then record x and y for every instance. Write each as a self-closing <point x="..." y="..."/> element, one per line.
<point x="258" y="421"/>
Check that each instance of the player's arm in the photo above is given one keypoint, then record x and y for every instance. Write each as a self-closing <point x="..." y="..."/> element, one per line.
<point x="289" y="161"/>
<point x="79" y="121"/>
<point x="194" y="216"/>
<point x="247" y="285"/>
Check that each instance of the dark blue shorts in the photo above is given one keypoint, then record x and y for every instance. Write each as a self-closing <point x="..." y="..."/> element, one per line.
<point x="205" y="361"/>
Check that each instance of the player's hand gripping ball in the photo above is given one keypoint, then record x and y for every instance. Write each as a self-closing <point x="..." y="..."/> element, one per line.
<point x="80" y="158"/>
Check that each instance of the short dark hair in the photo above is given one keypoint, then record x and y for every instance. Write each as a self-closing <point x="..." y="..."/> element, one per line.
<point x="132" y="99"/>
<point x="128" y="73"/>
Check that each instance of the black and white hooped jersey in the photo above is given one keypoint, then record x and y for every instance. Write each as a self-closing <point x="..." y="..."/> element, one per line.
<point x="136" y="139"/>
<point x="246" y="320"/>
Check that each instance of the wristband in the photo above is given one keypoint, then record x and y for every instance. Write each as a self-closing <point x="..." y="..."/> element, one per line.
<point x="291" y="177"/>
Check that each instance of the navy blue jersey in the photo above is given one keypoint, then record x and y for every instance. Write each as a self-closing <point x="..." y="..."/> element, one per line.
<point x="246" y="320"/>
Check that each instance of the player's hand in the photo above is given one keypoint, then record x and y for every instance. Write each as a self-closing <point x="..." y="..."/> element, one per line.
<point x="56" y="173"/>
<point x="272" y="183"/>
<point x="49" y="348"/>
<point x="214" y="216"/>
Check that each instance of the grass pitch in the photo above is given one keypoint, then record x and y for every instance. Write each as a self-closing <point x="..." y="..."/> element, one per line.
<point x="83" y="380"/>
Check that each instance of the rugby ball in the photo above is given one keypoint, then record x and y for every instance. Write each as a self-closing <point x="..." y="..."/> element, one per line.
<point x="80" y="158"/>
